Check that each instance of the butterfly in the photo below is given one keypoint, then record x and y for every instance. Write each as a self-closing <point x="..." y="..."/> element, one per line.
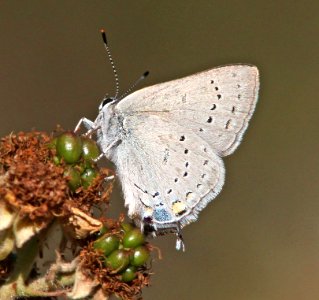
<point x="167" y="142"/>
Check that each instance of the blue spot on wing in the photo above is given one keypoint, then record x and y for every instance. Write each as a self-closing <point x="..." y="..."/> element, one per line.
<point x="161" y="215"/>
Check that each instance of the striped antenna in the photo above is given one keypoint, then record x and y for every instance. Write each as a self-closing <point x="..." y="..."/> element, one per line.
<point x="134" y="85"/>
<point x="117" y="82"/>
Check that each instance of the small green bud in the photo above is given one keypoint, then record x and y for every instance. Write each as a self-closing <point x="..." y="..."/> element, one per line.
<point x="69" y="147"/>
<point x="133" y="238"/>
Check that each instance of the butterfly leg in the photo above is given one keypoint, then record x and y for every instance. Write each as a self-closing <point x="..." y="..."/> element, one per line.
<point x="179" y="240"/>
<point x="91" y="131"/>
<point x="105" y="150"/>
<point x="108" y="178"/>
<point x="88" y="124"/>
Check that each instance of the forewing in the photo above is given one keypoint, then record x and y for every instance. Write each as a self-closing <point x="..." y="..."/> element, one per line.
<point x="216" y="104"/>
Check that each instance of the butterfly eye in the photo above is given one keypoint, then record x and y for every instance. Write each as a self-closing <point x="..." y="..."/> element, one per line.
<point x="105" y="101"/>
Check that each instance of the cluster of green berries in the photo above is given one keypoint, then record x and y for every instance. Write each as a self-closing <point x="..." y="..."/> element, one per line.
<point x="79" y="153"/>
<point x="124" y="253"/>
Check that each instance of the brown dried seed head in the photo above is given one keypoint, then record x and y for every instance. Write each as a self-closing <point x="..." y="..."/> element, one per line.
<point x="33" y="184"/>
<point x="92" y="265"/>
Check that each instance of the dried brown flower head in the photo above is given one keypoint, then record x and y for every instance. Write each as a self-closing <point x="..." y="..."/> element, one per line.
<point x="34" y="192"/>
<point x="93" y="268"/>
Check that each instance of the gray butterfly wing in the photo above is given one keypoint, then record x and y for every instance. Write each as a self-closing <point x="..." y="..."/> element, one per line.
<point x="216" y="104"/>
<point x="163" y="178"/>
<point x="173" y="135"/>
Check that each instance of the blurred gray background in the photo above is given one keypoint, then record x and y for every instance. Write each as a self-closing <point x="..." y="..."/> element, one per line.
<point x="260" y="238"/>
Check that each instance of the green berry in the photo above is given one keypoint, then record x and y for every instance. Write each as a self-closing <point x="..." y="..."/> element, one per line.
<point x="69" y="147"/>
<point x="118" y="260"/>
<point x="107" y="244"/>
<point x="127" y="227"/>
<point x="74" y="178"/>
<point x="140" y="256"/>
<point x="133" y="238"/>
<point x="90" y="150"/>
<point x="88" y="176"/>
<point x="129" y="274"/>
<point x="102" y="231"/>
